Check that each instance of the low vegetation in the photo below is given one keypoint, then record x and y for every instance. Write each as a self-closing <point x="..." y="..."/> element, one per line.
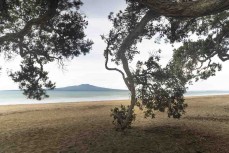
<point x="87" y="127"/>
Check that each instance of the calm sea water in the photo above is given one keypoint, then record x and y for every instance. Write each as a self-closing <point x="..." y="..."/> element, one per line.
<point x="16" y="97"/>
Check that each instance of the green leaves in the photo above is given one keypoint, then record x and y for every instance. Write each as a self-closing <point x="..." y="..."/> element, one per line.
<point x="160" y="88"/>
<point x="120" y="117"/>
<point x="32" y="80"/>
<point x="42" y="31"/>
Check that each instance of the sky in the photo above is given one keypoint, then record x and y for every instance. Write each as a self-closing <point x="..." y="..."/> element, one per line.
<point x="90" y="69"/>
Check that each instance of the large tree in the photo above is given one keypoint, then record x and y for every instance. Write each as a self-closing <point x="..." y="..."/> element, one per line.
<point x="41" y="31"/>
<point x="152" y="86"/>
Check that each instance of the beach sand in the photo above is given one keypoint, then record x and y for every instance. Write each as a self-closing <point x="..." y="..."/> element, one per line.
<point x="87" y="127"/>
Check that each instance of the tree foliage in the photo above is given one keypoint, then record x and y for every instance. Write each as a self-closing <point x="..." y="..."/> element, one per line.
<point x="152" y="86"/>
<point x="120" y="115"/>
<point x="41" y="31"/>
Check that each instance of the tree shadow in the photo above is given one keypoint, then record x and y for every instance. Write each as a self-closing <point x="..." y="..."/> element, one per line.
<point x="223" y="118"/>
<point x="157" y="139"/>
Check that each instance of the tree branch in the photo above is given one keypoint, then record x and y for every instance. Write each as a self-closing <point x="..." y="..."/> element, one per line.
<point x="114" y="69"/>
<point x="194" y="8"/>
<point x="129" y="40"/>
<point x="13" y="37"/>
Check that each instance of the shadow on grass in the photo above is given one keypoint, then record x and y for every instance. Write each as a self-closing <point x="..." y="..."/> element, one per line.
<point x="161" y="139"/>
<point x="209" y="118"/>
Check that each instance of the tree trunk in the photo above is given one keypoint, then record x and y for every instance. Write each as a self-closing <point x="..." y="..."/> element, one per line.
<point x="128" y="41"/>
<point x="188" y="8"/>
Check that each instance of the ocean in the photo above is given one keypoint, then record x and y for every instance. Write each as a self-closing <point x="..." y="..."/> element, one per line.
<point x="16" y="97"/>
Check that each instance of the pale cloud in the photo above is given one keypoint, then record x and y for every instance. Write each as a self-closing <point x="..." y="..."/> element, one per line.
<point x="101" y="8"/>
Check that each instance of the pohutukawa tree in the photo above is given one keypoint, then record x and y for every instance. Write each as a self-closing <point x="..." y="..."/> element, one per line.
<point x="152" y="86"/>
<point x="41" y="31"/>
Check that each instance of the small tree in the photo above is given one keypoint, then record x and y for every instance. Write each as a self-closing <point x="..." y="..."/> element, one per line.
<point x="153" y="87"/>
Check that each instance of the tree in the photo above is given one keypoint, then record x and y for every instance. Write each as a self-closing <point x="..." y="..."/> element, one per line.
<point x="153" y="87"/>
<point x="41" y="31"/>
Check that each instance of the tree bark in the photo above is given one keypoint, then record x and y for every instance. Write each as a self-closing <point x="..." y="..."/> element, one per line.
<point x="193" y="8"/>
<point x="128" y="41"/>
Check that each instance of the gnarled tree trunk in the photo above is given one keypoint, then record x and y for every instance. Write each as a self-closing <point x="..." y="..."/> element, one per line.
<point x="186" y="8"/>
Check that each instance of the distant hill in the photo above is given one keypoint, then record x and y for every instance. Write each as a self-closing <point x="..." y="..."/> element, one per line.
<point x="86" y="87"/>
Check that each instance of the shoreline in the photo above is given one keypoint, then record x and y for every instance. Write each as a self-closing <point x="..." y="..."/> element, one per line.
<point x="67" y="102"/>
<point x="17" y="98"/>
<point x="104" y="101"/>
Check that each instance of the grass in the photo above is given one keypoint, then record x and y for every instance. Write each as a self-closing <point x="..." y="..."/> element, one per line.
<point x="87" y="127"/>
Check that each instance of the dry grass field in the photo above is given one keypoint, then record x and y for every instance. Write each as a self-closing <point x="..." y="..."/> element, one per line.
<point x="87" y="127"/>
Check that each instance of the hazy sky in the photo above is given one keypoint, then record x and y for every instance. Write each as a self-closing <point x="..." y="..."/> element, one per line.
<point x="90" y="68"/>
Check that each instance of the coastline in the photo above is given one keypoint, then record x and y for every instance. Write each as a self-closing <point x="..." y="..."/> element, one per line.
<point x="102" y="101"/>
<point x="16" y="97"/>
<point x="41" y="106"/>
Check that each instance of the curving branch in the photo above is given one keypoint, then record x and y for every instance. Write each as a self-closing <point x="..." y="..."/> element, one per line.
<point x="186" y="8"/>
<point x="135" y="33"/>
<point x="129" y="40"/>
<point x="51" y="12"/>
<point x="106" y="54"/>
